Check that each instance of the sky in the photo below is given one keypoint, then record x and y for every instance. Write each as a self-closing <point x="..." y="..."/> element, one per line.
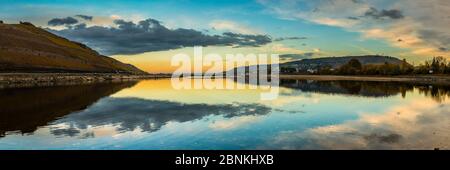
<point x="148" y="33"/>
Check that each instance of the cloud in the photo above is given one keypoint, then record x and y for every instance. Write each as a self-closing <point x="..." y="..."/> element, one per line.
<point x="243" y="40"/>
<point x="282" y="49"/>
<point x="391" y="14"/>
<point x="225" y="25"/>
<point x="294" y="57"/>
<point x="290" y="38"/>
<point x="421" y="25"/>
<point x="127" y="37"/>
<point x="353" y="18"/>
<point x="62" y="21"/>
<point x="440" y="39"/>
<point x="85" y="17"/>
<point x="71" y="132"/>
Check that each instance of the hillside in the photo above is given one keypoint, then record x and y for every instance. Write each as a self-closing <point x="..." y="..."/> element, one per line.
<point x="312" y="65"/>
<point x="26" y="48"/>
<point x="336" y="62"/>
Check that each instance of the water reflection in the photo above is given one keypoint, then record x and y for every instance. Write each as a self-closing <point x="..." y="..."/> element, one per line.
<point x="307" y="115"/>
<point x="437" y="92"/>
<point x="368" y="88"/>
<point x="421" y="124"/>
<point x="25" y="109"/>
<point x="129" y="114"/>
<point x="357" y="88"/>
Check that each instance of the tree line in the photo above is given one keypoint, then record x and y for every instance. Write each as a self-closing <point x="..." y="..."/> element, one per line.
<point x="437" y="65"/>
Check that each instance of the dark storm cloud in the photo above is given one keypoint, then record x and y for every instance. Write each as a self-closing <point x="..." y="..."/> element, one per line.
<point x="151" y="35"/>
<point x="62" y="21"/>
<point x="85" y="17"/>
<point x="129" y="114"/>
<point x="290" y="38"/>
<point x="383" y="14"/>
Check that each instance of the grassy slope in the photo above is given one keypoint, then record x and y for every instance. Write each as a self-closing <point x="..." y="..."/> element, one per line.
<point x="25" y="47"/>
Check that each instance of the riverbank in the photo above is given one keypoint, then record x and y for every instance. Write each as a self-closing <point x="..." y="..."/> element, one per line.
<point x="16" y="80"/>
<point x="428" y="79"/>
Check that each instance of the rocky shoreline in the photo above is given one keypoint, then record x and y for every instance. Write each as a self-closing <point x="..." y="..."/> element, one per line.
<point x="17" y="80"/>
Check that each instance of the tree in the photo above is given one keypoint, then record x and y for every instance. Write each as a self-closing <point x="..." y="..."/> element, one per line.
<point x="354" y="63"/>
<point x="325" y="70"/>
<point x="447" y="68"/>
<point x="406" y="68"/>
<point x="352" y="67"/>
<point x="437" y="65"/>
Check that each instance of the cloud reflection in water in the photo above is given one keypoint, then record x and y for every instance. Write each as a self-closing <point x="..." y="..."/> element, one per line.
<point x="129" y="114"/>
<point x="421" y="124"/>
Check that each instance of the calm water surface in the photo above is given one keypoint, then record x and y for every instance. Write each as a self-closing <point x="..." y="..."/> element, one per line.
<point x="150" y="114"/>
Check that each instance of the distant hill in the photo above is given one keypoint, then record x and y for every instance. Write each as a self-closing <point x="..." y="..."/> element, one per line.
<point x="26" y="48"/>
<point x="305" y="65"/>
<point x="336" y="62"/>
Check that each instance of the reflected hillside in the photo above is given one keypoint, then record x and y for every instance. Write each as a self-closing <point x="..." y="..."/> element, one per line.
<point x="358" y="88"/>
<point x="438" y="93"/>
<point x="25" y="109"/>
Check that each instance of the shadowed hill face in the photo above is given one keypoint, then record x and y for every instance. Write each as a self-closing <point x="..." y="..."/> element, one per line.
<point x="24" y="47"/>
